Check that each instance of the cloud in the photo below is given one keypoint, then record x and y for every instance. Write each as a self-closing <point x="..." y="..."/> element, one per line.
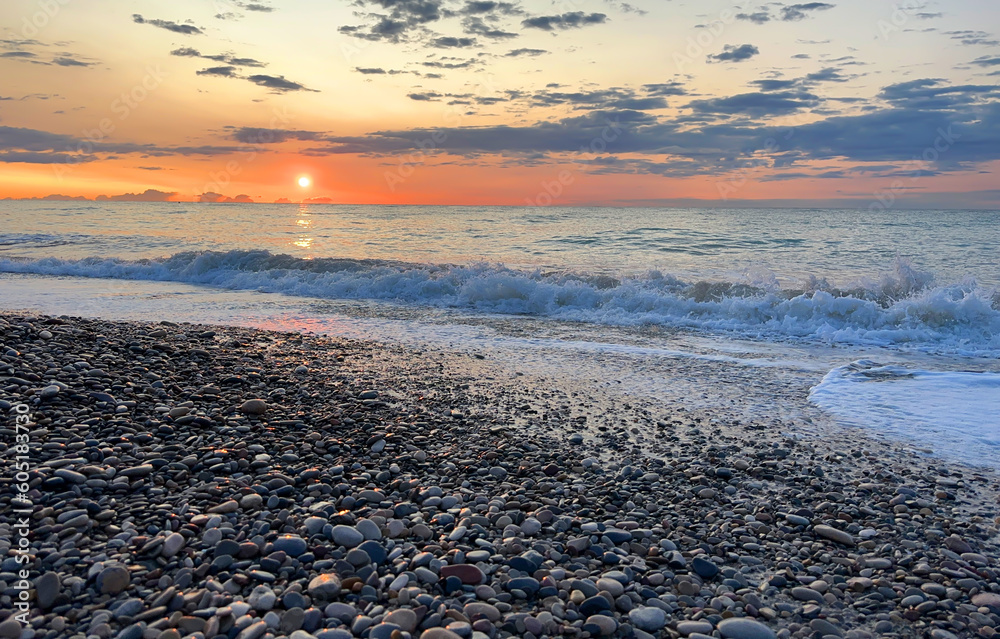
<point x="42" y="147"/>
<point x="664" y="88"/>
<point x="614" y="98"/>
<point x="149" y="195"/>
<point x="31" y="157"/>
<point x="225" y="58"/>
<point x="218" y="198"/>
<point x="254" y="135"/>
<point x="448" y="42"/>
<point x="226" y="72"/>
<point x="973" y="38"/>
<point x="755" y="104"/>
<point x="987" y="61"/>
<point x="800" y="11"/>
<point x="476" y="26"/>
<point x="184" y="29"/>
<point x="404" y="16"/>
<point x="428" y="96"/>
<point x="571" y="20"/>
<point x="733" y="53"/>
<point x="525" y="52"/>
<point x="66" y="61"/>
<point x="277" y="83"/>
<point x="488" y="6"/>
<point x="370" y="70"/>
<point x="758" y="17"/>
<point x="465" y="64"/>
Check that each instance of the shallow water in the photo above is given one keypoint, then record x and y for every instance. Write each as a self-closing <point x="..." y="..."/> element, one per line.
<point x="744" y="309"/>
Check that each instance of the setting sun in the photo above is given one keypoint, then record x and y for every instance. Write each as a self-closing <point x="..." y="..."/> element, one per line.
<point x="304" y="181"/>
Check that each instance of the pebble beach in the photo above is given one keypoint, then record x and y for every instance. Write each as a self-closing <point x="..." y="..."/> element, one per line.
<point x="218" y="482"/>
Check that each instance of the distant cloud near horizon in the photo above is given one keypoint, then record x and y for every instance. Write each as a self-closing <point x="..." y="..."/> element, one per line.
<point x="218" y="198"/>
<point x="149" y="195"/>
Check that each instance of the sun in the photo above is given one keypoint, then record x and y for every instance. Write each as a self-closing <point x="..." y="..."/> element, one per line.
<point x="304" y="181"/>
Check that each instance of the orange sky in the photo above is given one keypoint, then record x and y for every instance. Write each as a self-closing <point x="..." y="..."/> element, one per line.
<point x="103" y="100"/>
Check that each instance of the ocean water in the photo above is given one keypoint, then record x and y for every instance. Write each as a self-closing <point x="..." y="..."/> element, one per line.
<point x="799" y="294"/>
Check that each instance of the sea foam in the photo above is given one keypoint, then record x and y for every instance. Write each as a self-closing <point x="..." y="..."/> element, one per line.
<point x="904" y="309"/>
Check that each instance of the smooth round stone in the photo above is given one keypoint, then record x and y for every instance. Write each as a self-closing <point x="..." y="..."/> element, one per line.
<point x="989" y="600"/>
<point x="807" y="594"/>
<point x="612" y="586"/>
<point x="484" y="610"/>
<point x="743" y="628"/>
<point x="253" y="631"/>
<point x="531" y="526"/>
<point x="347" y="536"/>
<point x="135" y="632"/>
<point x="251" y="501"/>
<point x="648" y="618"/>
<point x="383" y="630"/>
<point x="113" y="579"/>
<point x="10" y="629"/>
<point x="399" y="582"/>
<point x="357" y="557"/>
<point x="342" y="611"/>
<point x="262" y="598"/>
<point x="467" y="573"/>
<point x="594" y="605"/>
<point x="604" y="626"/>
<point x="211" y="537"/>
<point x="172" y="544"/>
<point x="227" y="548"/>
<point x="253" y="407"/>
<point x="824" y="628"/>
<point x="291" y="545"/>
<point x="326" y="586"/>
<point x="704" y="567"/>
<point x="439" y="633"/>
<point x="478" y="555"/>
<point x="47" y="588"/>
<point x="833" y="534"/>
<point x="314" y="524"/>
<point x="405" y="618"/>
<point x="690" y="627"/>
<point x="369" y="529"/>
<point x="617" y="536"/>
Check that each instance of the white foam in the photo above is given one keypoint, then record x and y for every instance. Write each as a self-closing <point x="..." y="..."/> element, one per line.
<point x="900" y="311"/>
<point x="955" y="414"/>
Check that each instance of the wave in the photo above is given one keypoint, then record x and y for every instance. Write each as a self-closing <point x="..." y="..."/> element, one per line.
<point x="905" y="308"/>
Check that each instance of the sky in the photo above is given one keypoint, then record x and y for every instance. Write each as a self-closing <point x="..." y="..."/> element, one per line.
<point x="483" y="102"/>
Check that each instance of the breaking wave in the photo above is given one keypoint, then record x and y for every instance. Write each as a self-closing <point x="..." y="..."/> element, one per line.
<point x="905" y="308"/>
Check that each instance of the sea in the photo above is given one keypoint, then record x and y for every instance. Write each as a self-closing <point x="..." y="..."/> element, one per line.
<point x="884" y="321"/>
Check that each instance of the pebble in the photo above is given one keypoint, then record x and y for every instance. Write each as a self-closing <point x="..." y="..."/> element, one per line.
<point x="325" y="586"/>
<point x="47" y="588"/>
<point x="347" y="536"/>
<point x="648" y="618"/>
<point x="743" y="628"/>
<point x="833" y="534"/>
<point x="195" y="488"/>
<point x="113" y="580"/>
<point x="253" y="407"/>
